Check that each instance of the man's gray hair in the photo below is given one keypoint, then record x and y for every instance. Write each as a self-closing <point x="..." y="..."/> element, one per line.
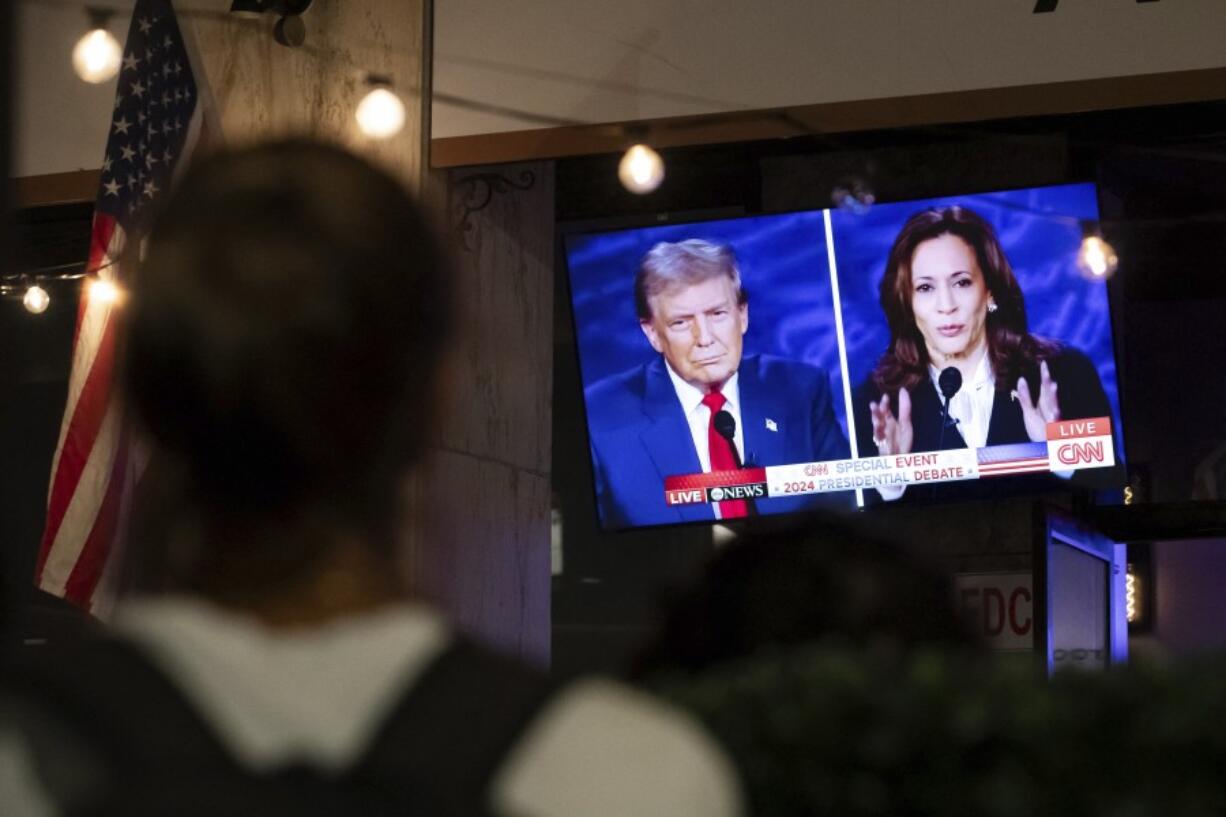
<point x="669" y="265"/>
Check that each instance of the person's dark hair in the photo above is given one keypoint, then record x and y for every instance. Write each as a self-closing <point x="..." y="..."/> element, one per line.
<point x="1012" y="350"/>
<point x="669" y="265"/>
<point x="795" y="581"/>
<point x="284" y="337"/>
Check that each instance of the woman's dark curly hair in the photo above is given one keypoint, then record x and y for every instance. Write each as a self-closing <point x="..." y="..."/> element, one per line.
<point x="1013" y="351"/>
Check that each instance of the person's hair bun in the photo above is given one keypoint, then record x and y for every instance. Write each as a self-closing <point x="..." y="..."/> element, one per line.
<point x="286" y="326"/>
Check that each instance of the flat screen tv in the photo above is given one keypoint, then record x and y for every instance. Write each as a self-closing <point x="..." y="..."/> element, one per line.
<point x="954" y="347"/>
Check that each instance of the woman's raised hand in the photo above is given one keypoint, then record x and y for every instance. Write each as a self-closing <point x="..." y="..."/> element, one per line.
<point x="1036" y="416"/>
<point x="893" y="435"/>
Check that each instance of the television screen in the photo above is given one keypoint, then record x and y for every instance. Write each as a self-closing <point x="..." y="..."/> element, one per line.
<point x="911" y="351"/>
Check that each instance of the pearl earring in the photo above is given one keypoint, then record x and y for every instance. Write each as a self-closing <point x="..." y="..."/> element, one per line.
<point x="992" y="306"/>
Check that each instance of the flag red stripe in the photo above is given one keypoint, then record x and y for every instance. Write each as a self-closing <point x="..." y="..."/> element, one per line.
<point x="100" y="239"/>
<point x="1013" y="463"/>
<point x="82" y="432"/>
<point x="86" y="572"/>
<point x="1030" y="469"/>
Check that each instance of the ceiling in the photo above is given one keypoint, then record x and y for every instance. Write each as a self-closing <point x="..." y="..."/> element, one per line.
<point x="503" y="65"/>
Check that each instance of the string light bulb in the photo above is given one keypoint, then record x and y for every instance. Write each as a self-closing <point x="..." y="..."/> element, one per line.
<point x="36" y="300"/>
<point x="1096" y="258"/>
<point x="97" y="55"/>
<point x="104" y="292"/>
<point x="380" y="114"/>
<point x="641" y="169"/>
<point x="1132" y="594"/>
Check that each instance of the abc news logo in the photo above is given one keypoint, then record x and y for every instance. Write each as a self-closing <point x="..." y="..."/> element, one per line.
<point x="755" y="491"/>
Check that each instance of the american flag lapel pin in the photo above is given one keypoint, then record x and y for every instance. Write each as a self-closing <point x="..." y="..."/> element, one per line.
<point x="771" y="425"/>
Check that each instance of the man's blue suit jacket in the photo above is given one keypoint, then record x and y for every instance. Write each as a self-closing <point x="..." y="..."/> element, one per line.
<point x="640" y="436"/>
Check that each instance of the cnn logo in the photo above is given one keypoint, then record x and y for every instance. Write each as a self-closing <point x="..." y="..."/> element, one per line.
<point x="1081" y="453"/>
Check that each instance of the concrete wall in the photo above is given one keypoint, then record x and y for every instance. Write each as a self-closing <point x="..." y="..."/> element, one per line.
<point x="483" y="552"/>
<point x="263" y="89"/>
<point x="259" y="88"/>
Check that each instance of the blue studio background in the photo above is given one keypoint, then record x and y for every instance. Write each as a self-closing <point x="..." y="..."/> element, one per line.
<point x="784" y="269"/>
<point x="1039" y="231"/>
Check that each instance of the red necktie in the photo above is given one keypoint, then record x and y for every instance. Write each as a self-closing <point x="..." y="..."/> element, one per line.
<point x="722" y="456"/>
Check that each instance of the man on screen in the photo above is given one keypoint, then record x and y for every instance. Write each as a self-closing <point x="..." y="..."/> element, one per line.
<point x="671" y="416"/>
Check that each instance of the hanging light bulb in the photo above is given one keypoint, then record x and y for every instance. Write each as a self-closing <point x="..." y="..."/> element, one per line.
<point x="1096" y="258"/>
<point x="641" y="169"/>
<point x="36" y="299"/>
<point x="380" y="114"/>
<point x="97" y="55"/>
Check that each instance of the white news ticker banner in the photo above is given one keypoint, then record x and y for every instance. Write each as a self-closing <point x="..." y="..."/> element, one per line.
<point x="1071" y="445"/>
<point x="872" y="472"/>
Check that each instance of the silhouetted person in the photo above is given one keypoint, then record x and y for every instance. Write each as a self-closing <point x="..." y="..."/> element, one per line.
<point x="799" y="581"/>
<point x="284" y="354"/>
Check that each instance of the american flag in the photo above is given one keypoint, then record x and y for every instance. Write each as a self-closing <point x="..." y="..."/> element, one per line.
<point x="156" y="123"/>
<point x="1018" y="458"/>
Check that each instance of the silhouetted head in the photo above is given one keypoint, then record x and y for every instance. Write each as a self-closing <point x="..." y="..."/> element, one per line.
<point x="807" y="579"/>
<point x="284" y="343"/>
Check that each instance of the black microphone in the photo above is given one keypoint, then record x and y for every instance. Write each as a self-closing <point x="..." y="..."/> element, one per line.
<point x="725" y="425"/>
<point x="949" y="381"/>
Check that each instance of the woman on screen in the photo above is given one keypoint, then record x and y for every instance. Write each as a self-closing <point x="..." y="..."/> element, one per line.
<point x="952" y="302"/>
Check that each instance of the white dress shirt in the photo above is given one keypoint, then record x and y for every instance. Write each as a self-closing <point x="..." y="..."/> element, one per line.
<point x="698" y="416"/>
<point x="970" y="408"/>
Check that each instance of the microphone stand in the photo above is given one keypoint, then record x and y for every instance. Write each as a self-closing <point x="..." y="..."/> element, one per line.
<point x="727" y="430"/>
<point x="949" y="382"/>
<point x="944" y="423"/>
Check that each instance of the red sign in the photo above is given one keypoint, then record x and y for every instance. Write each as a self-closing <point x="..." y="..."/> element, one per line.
<point x="715" y="479"/>
<point x="999" y="606"/>
<point x="1072" y="429"/>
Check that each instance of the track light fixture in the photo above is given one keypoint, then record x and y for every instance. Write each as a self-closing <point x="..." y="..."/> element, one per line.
<point x="289" y="29"/>
<point x="1048" y="6"/>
